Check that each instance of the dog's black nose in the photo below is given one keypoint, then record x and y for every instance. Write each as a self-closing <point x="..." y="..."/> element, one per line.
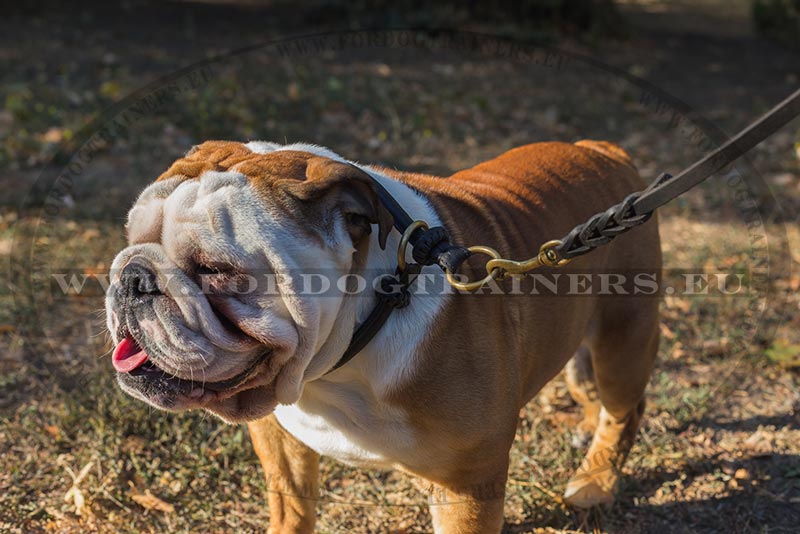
<point x="138" y="279"/>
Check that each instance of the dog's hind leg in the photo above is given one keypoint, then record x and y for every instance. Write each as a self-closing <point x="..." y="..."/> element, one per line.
<point x="623" y="350"/>
<point x="580" y="382"/>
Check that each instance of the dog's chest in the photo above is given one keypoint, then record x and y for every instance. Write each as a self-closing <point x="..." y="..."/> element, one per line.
<point x="347" y="423"/>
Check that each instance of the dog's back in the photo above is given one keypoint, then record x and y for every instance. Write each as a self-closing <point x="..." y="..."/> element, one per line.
<point x="507" y="347"/>
<point x="529" y="194"/>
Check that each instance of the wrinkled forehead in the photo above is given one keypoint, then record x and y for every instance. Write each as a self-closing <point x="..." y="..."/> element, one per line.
<point x="261" y="163"/>
<point x="201" y="186"/>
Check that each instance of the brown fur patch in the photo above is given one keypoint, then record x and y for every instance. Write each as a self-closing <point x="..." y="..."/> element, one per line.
<point x="223" y="156"/>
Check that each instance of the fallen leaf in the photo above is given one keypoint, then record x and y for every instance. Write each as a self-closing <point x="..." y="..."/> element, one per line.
<point x="53" y="430"/>
<point x="151" y="502"/>
<point x="90" y="234"/>
<point x="666" y="332"/>
<point x="677" y="351"/>
<point x="794" y="283"/>
<point x="53" y="135"/>
<point x="565" y="419"/>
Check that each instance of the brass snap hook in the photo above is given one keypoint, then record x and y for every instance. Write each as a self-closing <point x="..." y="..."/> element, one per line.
<point x="547" y="257"/>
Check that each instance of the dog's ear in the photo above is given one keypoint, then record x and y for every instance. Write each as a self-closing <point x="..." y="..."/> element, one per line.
<point x="352" y="191"/>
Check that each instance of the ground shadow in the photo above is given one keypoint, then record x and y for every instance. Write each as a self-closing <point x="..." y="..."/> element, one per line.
<point x="767" y="500"/>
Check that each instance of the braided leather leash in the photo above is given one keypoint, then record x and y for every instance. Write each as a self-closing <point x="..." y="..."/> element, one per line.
<point x="637" y="208"/>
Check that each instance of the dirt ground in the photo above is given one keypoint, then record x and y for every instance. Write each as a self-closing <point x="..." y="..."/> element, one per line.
<point x="719" y="449"/>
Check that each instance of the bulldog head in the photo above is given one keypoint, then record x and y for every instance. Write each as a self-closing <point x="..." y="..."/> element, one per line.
<point x="204" y="306"/>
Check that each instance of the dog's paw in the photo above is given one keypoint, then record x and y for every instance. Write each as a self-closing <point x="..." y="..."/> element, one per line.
<point x="585" y="494"/>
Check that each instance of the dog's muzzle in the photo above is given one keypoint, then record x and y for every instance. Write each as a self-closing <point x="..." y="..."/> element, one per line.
<point x="138" y="286"/>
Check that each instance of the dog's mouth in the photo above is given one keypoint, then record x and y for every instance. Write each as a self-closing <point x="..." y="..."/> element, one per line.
<point x="131" y="360"/>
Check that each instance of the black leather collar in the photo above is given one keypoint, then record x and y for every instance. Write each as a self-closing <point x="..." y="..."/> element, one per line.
<point x="429" y="247"/>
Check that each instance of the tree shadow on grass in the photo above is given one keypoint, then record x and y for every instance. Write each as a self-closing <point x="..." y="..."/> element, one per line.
<point x="765" y="499"/>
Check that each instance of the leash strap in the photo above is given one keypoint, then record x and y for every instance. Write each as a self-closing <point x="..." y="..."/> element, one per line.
<point x="638" y="207"/>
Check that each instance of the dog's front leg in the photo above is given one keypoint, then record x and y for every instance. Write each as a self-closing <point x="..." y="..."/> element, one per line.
<point x="292" y="472"/>
<point x="473" y="509"/>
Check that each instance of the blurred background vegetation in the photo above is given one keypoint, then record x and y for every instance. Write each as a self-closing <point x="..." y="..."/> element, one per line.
<point x="779" y="19"/>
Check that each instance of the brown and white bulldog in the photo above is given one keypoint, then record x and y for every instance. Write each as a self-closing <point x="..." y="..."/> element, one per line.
<point x="437" y="392"/>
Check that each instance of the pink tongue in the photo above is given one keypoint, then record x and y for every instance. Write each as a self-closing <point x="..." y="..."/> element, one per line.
<point x="128" y="355"/>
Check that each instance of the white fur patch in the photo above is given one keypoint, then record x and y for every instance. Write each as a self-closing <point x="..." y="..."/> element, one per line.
<point x="262" y="147"/>
<point x="145" y="219"/>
